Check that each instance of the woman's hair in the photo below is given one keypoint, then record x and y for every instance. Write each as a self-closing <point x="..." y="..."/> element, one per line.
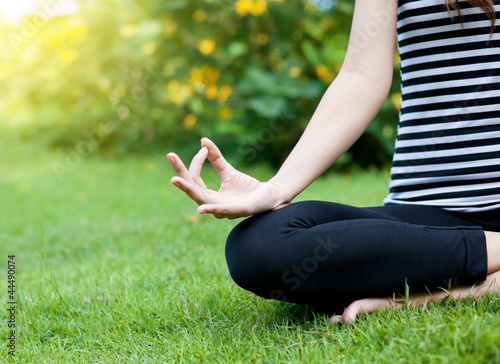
<point x="486" y="5"/>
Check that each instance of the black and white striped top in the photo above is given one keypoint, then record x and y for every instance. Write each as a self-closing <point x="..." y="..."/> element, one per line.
<point x="448" y="142"/>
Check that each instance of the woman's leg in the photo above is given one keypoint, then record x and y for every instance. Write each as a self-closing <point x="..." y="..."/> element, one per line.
<point x="368" y="305"/>
<point x="325" y="253"/>
<point x="490" y="285"/>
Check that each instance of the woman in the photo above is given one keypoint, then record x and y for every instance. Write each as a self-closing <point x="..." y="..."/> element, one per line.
<point x="439" y="226"/>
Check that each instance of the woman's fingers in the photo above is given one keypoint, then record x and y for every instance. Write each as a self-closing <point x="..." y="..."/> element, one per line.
<point x="194" y="191"/>
<point x="215" y="157"/>
<point x="227" y="210"/>
<point x="179" y="167"/>
<point x="196" y="165"/>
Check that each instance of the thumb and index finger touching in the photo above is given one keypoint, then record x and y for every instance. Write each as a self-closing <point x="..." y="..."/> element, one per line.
<point x="215" y="157"/>
<point x="190" y="180"/>
<point x="211" y="152"/>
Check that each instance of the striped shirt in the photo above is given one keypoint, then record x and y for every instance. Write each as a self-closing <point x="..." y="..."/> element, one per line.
<point x="447" y="150"/>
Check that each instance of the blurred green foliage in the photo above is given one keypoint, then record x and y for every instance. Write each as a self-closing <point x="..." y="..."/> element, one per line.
<point x="129" y="76"/>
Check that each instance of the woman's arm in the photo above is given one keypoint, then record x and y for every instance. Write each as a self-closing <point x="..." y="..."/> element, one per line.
<point x="352" y="100"/>
<point x="346" y="109"/>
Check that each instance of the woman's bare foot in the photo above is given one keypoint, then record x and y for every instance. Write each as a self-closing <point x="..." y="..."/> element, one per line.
<point x="362" y="307"/>
<point x="369" y="305"/>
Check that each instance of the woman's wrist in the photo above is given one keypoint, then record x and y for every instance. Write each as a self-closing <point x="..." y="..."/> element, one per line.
<point x="282" y="197"/>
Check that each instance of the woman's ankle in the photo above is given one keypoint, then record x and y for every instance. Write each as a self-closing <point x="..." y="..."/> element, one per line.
<point x="493" y="248"/>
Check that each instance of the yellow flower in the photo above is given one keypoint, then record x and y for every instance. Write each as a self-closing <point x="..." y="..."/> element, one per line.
<point x="254" y="7"/>
<point x="388" y="131"/>
<point x="275" y="56"/>
<point x="176" y="98"/>
<point x="103" y="83"/>
<point x="149" y="48"/>
<point x="178" y="93"/>
<point x="224" y="93"/>
<point x="76" y="33"/>
<point x="259" y="6"/>
<point x="212" y="74"/>
<point x="225" y="113"/>
<point x="295" y="72"/>
<point x="243" y="6"/>
<point x="396" y="100"/>
<point x="56" y="40"/>
<point x="206" y="46"/>
<point x="189" y="121"/>
<point x="211" y="92"/>
<point x="324" y="74"/>
<point x="173" y="85"/>
<point x="170" y="27"/>
<point x="199" y="15"/>
<point x="127" y="31"/>
<point x="5" y="67"/>
<point x="193" y="218"/>
<point x="68" y="56"/>
<point x="196" y="76"/>
<point x="204" y="77"/>
<point x="187" y="91"/>
<point x="12" y="110"/>
<point x="338" y="66"/>
<point x="262" y="38"/>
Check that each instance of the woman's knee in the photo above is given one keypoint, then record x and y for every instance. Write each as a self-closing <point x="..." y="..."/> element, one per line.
<point x="250" y="248"/>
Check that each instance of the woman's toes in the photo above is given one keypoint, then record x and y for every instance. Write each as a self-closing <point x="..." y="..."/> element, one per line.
<point x="335" y="320"/>
<point x="350" y="314"/>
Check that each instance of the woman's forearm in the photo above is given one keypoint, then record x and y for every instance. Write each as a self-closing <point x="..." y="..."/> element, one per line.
<point x="345" y="111"/>
<point x="352" y="100"/>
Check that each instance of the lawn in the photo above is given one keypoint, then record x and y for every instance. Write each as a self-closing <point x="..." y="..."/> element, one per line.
<point x="114" y="266"/>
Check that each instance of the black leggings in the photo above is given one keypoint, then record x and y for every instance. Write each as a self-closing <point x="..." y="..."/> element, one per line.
<point x="329" y="254"/>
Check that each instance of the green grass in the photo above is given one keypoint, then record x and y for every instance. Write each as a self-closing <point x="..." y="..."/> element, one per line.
<point x="113" y="267"/>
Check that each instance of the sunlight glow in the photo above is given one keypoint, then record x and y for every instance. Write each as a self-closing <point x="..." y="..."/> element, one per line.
<point x="12" y="11"/>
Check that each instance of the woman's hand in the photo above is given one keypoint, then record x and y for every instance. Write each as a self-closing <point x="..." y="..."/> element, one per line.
<point x="239" y="195"/>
